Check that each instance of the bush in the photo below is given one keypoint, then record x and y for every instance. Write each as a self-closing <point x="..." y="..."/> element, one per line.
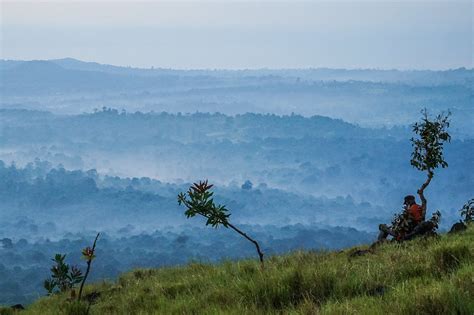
<point x="63" y="276"/>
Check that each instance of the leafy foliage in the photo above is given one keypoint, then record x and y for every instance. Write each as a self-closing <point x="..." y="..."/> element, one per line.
<point x="402" y="223"/>
<point x="427" y="152"/>
<point x="63" y="276"/>
<point x="198" y="200"/>
<point x="467" y="211"/>
<point x="431" y="134"/>
<point x="435" y="219"/>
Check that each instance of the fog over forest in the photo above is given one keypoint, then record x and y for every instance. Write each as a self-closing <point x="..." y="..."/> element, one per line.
<point x="311" y="159"/>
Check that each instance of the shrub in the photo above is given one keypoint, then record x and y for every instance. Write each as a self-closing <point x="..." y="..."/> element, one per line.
<point x="63" y="277"/>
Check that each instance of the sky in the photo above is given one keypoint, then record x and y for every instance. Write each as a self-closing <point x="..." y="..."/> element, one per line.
<point x="243" y="35"/>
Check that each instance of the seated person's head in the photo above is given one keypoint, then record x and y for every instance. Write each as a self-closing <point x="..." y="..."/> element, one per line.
<point x="409" y="200"/>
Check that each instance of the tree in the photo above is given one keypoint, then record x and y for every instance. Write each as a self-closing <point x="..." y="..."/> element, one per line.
<point x="247" y="185"/>
<point x="428" y="144"/>
<point x="7" y="243"/>
<point x="198" y="201"/>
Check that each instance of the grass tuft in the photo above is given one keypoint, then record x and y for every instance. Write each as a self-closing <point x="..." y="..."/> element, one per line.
<point x="448" y="257"/>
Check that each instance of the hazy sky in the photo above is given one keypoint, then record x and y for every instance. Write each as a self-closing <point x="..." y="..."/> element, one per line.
<point x="200" y="34"/>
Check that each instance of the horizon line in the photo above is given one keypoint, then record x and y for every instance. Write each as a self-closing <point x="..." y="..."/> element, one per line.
<point x="157" y="68"/>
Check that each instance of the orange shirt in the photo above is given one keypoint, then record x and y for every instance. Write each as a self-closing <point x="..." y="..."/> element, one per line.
<point x="416" y="213"/>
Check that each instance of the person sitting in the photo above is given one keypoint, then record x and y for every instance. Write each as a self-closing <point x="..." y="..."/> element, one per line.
<point x="414" y="215"/>
<point x="415" y="211"/>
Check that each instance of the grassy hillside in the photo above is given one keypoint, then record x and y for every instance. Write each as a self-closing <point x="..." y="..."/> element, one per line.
<point x="425" y="276"/>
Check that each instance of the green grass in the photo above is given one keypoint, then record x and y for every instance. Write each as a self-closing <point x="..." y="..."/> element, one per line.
<point x="425" y="276"/>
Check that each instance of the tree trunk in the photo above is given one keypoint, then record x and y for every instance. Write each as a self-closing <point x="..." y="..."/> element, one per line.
<point x="260" y="254"/>
<point x="422" y="190"/>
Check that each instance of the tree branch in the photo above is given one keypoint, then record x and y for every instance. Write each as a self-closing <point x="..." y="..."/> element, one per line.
<point x="260" y="254"/>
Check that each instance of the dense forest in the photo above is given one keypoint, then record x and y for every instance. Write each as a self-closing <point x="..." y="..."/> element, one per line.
<point x="315" y="156"/>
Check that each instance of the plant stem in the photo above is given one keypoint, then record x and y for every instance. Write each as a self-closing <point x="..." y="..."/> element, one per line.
<point x="89" y="262"/>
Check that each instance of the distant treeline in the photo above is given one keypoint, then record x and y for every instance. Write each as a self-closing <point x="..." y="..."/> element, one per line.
<point x="72" y="200"/>
<point x="315" y="156"/>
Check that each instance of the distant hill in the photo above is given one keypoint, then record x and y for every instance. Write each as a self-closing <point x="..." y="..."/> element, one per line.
<point x="45" y="76"/>
<point x="321" y="74"/>
<point x="425" y="276"/>
<point x="367" y="97"/>
<point x="453" y="76"/>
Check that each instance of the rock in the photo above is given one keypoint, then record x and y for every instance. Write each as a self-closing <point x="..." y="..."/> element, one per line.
<point x="92" y="297"/>
<point x="359" y="252"/>
<point x="457" y="227"/>
<point x="18" y="307"/>
<point x="377" y="291"/>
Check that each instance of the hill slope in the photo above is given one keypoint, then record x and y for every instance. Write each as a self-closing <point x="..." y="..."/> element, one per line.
<point x="425" y="276"/>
